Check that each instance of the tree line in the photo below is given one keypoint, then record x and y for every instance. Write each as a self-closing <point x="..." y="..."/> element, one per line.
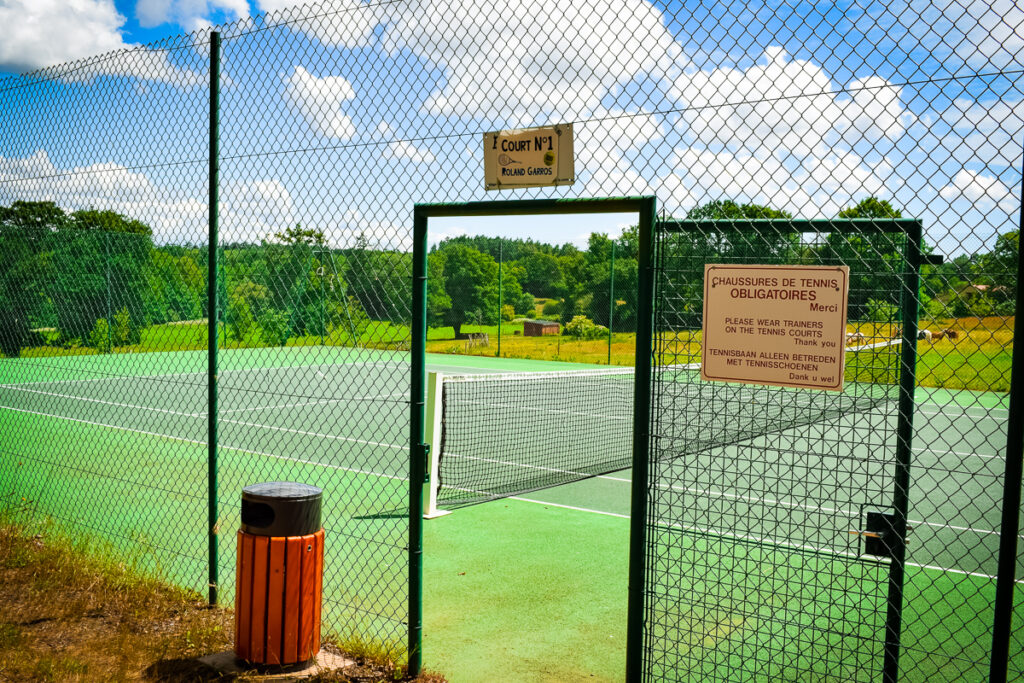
<point x="96" y="278"/>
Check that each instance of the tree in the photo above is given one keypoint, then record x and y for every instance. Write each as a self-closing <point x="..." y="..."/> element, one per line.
<point x="875" y="260"/>
<point x="542" y="275"/>
<point x="471" y="284"/>
<point x="998" y="269"/>
<point x="25" y="270"/>
<point x="438" y="301"/>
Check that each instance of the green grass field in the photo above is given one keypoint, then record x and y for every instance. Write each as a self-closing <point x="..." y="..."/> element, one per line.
<point x="978" y="360"/>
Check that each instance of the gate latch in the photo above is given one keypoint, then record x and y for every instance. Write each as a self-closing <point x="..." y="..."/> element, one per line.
<point x="880" y="536"/>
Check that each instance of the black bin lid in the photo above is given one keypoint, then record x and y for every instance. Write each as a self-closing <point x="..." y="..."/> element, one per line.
<point x="281" y="508"/>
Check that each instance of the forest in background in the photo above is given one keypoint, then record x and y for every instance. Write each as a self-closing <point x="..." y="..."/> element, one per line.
<point x="96" y="279"/>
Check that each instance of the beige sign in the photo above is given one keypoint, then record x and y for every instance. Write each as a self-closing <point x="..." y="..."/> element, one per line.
<point x="778" y="325"/>
<point x="529" y="157"/>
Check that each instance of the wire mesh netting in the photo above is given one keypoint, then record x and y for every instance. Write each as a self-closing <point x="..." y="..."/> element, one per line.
<point x="336" y="119"/>
<point x="758" y="571"/>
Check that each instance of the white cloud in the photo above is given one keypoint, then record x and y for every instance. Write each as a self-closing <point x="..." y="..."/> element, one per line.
<point x="190" y="14"/>
<point x="403" y="149"/>
<point x="537" y="59"/>
<point x="345" y="23"/>
<point x="785" y="106"/>
<point x="250" y="210"/>
<point x="985" y="192"/>
<point x="319" y="102"/>
<point x="38" y="33"/>
<point x="983" y="32"/>
<point x="819" y="187"/>
<point x="985" y="132"/>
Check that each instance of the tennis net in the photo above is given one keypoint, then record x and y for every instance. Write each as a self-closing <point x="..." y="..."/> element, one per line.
<point x="503" y="435"/>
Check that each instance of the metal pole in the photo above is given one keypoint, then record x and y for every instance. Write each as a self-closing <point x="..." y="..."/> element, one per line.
<point x="644" y="358"/>
<point x="611" y="304"/>
<point x="1006" y="576"/>
<point x="323" y="316"/>
<point x="499" y="297"/>
<point x="110" y="320"/>
<point x="212" y="309"/>
<point x="897" y="536"/>
<point x="417" y="448"/>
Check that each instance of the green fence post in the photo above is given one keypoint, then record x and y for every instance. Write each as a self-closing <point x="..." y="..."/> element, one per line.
<point x="499" y="297"/>
<point x="611" y="304"/>
<point x="212" y="310"/>
<point x="110" y="320"/>
<point x="322" y="271"/>
<point x="1009" y="525"/>
<point x="909" y="306"/>
<point x="417" y="449"/>
<point x="644" y="358"/>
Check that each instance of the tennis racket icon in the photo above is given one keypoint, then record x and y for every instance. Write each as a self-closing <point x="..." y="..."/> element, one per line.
<point x="505" y="160"/>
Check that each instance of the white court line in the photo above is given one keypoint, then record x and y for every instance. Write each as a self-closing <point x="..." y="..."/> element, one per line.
<point x="205" y="443"/>
<point x="200" y="373"/>
<point x="96" y="400"/>
<point x="397" y="478"/>
<point x="103" y="379"/>
<point x="962" y="572"/>
<point x="314" y="434"/>
<point x="306" y="403"/>
<point x="795" y="504"/>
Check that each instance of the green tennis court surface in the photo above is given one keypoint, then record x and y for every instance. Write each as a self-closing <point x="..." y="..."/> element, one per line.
<point x="531" y="588"/>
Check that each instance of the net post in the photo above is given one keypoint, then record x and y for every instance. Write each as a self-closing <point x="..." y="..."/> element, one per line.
<point x="212" y="315"/>
<point x="432" y="437"/>
<point x="641" y="444"/>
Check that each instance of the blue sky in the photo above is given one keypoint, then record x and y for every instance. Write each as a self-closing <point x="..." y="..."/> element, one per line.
<point x="803" y="107"/>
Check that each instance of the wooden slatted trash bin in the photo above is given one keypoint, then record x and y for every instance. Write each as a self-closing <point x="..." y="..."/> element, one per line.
<point x="279" y="585"/>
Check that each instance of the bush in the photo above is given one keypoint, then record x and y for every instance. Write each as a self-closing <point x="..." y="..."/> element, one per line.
<point x="507" y="313"/>
<point x="583" y="327"/>
<point x="240" y="320"/>
<point x="274" y="327"/>
<point x="553" y="307"/>
<point x="526" y="303"/>
<point x="99" y="338"/>
<point x="125" y="331"/>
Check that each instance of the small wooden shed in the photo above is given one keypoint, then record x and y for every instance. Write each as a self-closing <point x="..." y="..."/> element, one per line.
<point x="539" y="328"/>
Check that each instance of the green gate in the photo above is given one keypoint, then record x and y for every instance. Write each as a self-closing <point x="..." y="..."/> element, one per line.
<point x="775" y="533"/>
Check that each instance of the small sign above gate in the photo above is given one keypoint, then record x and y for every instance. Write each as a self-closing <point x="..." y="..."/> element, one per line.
<point x="529" y="157"/>
<point x="775" y="325"/>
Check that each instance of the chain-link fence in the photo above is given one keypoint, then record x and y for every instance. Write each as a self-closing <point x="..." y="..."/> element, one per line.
<point x="336" y="119"/>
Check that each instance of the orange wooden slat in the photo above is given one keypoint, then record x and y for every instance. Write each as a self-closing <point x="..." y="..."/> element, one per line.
<point x="292" y="590"/>
<point x="318" y="604"/>
<point x="243" y="596"/>
<point x="306" y="606"/>
<point x="261" y="555"/>
<point x="275" y="601"/>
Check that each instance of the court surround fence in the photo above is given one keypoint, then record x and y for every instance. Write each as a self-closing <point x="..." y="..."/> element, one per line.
<point x="206" y="280"/>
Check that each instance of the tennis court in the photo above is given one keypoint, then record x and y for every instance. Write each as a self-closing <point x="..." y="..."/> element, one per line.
<point x="555" y="555"/>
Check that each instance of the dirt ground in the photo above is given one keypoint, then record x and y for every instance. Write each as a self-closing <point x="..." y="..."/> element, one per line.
<point x="68" y="614"/>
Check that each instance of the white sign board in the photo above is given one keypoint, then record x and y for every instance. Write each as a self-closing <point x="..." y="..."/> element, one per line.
<point x="529" y="157"/>
<point x="778" y="325"/>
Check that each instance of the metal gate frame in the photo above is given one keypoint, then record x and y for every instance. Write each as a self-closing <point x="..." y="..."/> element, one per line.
<point x="646" y="209"/>
<point x="909" y="303"/>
